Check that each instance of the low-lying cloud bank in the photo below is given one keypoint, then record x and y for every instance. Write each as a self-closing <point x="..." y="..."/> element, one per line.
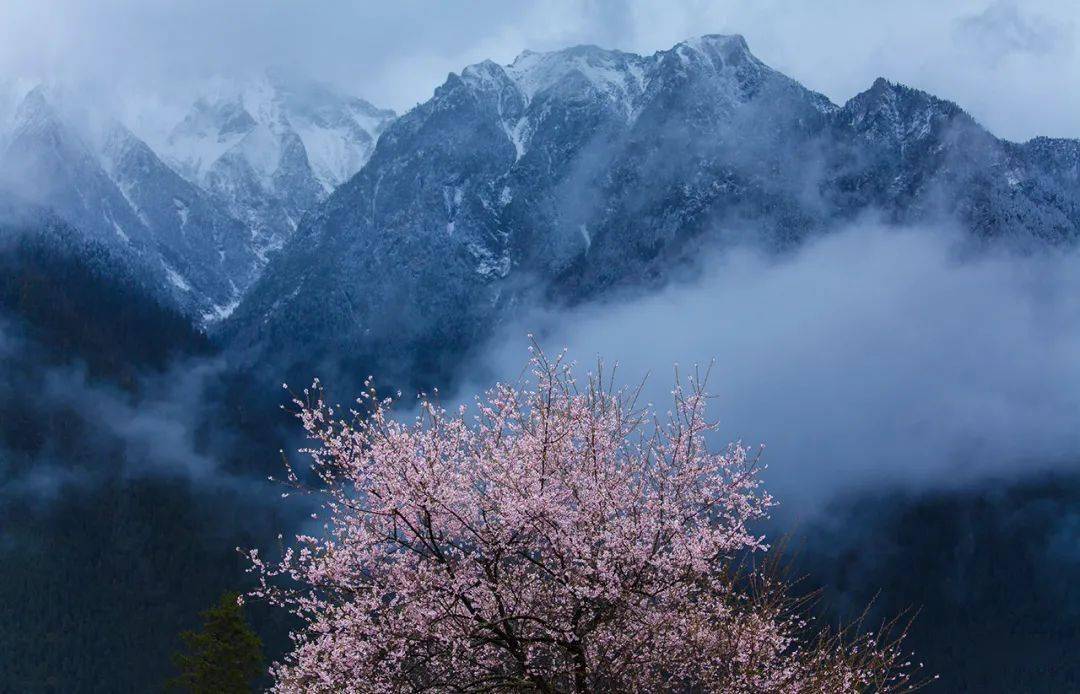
<point x="67" y="428"/>
<point x="871" y="357"/>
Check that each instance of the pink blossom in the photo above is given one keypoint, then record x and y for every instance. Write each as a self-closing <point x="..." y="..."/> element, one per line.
<point x="558" y="539"/>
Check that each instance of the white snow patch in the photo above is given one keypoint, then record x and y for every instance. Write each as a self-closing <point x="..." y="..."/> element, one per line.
<point x="606" y="70"/>
<point x="487" y="263"/>
<point x="338" y="131"/>
<point x="335" y="154"/>
<point x="505" y="196"/>
<point x="125" y="188"/>
<point x="450" y="199"/>
<point x="120" y="232"/>
<point x="586" y="236"/>
<point x="219" y="312"/>
<point x="181" y="211"/>
<point x="177" y="279"/>
<point x="193" y="152"/>
<point x="616" y="76"/>
<point x="261" y="148"/>
<point x="484" y="76"/>
<point x="516" y="133"/>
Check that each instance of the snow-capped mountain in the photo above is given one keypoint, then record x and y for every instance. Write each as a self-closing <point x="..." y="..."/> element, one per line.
<point x="572" y="173"/>
<point x="204" y="250"/>
<point x="235" y="176"/>
<point x="48" y="162"/>
<point x="112" y="188"/>
<point x="561" y="176"/>
<point x="272" y="148"/>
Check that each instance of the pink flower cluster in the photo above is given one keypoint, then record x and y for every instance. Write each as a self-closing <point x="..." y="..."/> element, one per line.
<point x="555" y="538"/>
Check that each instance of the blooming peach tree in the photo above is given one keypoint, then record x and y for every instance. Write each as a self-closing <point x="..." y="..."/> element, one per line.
<point x="555" y="537"/>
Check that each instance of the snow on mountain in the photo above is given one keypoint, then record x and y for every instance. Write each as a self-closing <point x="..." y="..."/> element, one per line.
<point x="560" y="177"/>
<point x="206" y="133"/>
<point x="12" y="94"/>
<point x="564" y="171"/>
<point x="272" y="148"/>
<point x="112" y="188"/>
<point x="339" y="132"/>
<point x="614" y="75"/>
<point x="566" y="175"/>
<point x="205" y="251"/>
<point x="49" y="162"/>
<point x="234" y="177"/>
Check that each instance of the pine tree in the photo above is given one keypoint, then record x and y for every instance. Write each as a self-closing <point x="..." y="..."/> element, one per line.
<point x="224" y="656"/>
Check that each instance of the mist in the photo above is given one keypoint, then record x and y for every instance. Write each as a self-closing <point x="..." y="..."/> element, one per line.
<point x="1007" y="60"/>
<point x="79" y="430"/>
<point x="872" y="358"/>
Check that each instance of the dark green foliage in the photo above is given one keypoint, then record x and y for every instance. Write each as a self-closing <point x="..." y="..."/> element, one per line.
<point x="97" y="582"/>
<point x="224" y="656"/>
<point x="100" y="569"/>
<point x="992" y="572"/>
<point x="76" y="302"/>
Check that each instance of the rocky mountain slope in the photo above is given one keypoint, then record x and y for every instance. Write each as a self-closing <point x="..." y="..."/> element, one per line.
<point x="572" y="174"/>
<point x="120" y="195"/>
<point x="199" y="221"/>
<point x="270" y="149"/>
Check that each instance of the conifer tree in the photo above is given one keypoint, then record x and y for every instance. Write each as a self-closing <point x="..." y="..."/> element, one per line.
<point x="224" y="656"/>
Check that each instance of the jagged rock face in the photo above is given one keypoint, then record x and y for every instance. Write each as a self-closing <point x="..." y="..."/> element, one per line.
<point x="917" y="158"/>
<point x="119" y="194"/>
<point x="200" y="238"/>
<point x="271" y="150"/>
<point x="47" y="163"/>
<point x="574" y="173"/>
<point x="205" y="252"/>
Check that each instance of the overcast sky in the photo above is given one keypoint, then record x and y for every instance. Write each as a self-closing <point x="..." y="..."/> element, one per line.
<point x="1014" y="65"/>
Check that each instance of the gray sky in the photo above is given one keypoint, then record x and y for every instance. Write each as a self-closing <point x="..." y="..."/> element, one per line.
<point x="1013" y="65"/>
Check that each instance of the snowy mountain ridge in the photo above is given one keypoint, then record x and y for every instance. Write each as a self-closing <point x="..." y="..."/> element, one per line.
<point x="622" y="80"/>
<point x="199" y="215"/>
<point x="271" y="148"/>
<point x="117" y="192"/>
<point x="571" y="174"/>
<point x="562" y="175"/>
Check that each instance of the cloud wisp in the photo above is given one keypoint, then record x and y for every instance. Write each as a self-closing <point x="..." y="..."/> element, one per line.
<point x="1003" y="57"/>
<point x="871" y="358"/>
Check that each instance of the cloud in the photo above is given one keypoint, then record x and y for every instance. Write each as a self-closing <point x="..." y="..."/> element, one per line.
<point x="396" y="53"/>
<point x="155" y="429"/>
<point x="66" y="428"/>
<point x="1002" y="29"/>
<point x="872" y="358"/>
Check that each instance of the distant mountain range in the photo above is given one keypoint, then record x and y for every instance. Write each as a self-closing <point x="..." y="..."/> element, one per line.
<point x="201" y="215"/>
<point x="310" y="229"/>
<point x="565" y="176"/>
<point x="272" y="149"/>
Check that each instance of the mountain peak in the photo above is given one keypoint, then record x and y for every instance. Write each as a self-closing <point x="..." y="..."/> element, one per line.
<point x="611" y="73"/>
<point x="897" y="114"/>
<point x="35" y="107"/>
<point x="731" y="49"/>
<point x="486" y="74"/>
<point x="219" y="118"/>
<point x="893" y="96"/>
<point x="881" y="84"/>
<point x="734" y="43"/>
